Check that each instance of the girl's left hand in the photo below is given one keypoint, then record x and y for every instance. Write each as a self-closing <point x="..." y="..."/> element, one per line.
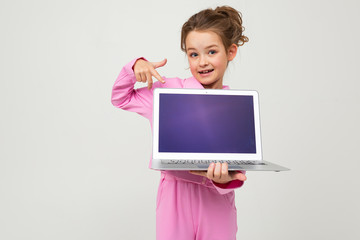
<point x="219" y="173"/>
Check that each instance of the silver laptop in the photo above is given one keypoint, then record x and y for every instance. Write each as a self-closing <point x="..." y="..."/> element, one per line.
<point x="195" y="127"/>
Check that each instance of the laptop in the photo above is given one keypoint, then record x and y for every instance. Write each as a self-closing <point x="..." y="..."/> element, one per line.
<point x="195" y="127"/>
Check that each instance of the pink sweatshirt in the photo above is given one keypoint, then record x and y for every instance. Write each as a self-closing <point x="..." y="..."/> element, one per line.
<point x="140" y="100"/>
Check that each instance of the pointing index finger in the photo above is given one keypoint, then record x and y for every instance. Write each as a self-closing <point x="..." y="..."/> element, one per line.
<point x="157" y="76"/>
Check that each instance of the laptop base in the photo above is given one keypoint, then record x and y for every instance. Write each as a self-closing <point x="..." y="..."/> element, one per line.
<point x="184" y="165"/>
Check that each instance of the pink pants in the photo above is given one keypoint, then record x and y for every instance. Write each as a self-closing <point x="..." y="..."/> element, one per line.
<point x="191" y="211"/>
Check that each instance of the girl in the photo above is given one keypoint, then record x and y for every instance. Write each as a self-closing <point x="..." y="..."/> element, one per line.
<point x="191" y="205"/>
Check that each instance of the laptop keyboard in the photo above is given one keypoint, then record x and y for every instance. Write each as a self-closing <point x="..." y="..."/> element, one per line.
<point x="230" y="162"/>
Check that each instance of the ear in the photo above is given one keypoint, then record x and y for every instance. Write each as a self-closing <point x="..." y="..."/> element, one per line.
<point x="232" y="51"/>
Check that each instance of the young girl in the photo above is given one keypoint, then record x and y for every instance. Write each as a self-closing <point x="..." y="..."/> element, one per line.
<point x="196" y="204"/>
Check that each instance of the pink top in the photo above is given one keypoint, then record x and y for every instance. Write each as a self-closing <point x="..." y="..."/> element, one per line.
<point x="140" y="100"/>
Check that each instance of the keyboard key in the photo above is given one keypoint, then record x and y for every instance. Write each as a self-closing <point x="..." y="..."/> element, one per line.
<point x="230" y="162"/>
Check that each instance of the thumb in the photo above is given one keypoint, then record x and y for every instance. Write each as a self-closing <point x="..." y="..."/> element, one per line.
<point x="159" y="64"/>
<point x="239" y="176"/>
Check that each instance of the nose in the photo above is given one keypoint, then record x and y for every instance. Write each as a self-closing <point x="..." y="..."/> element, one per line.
<point x="203" y="61"/>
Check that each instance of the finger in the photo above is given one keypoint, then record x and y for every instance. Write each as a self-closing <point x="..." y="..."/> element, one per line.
<point x="200" y="173"/>
<point x="148" y="76"/>
<point x="224" y="170"/>
<point x="150" y="83"/>
<point x="159" y="64"/>
<point x="210" y="171"/>
<point x="217" y="171"/>
<point x="149" y="80"/>
<point x="157" y="76"/>
<point x="143" y="77"/>
<point x="238" y="176"/>
<point x="138" y="77"/>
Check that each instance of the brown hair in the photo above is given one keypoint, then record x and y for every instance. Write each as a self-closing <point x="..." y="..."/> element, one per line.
<point x="224" y="21"/>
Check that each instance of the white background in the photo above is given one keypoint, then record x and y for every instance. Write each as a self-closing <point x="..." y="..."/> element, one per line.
<point x="74" y="167"/>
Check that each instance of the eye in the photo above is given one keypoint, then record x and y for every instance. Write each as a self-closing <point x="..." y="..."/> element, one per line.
<point x="212" y="52"/>
<point x="193" y="54"/>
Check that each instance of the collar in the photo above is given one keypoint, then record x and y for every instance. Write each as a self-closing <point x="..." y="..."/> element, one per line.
<point x="193" y="83"/>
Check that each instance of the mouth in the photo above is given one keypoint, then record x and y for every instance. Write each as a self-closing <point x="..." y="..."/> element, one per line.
<point x="206" y="71"/>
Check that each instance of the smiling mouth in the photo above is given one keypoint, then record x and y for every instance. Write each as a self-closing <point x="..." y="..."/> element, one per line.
<point x="206" y="71"/>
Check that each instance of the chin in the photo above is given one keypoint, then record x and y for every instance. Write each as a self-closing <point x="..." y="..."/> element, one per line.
<point x="209" y="84"/>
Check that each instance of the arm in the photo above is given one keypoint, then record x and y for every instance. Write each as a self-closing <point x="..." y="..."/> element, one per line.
<point x="124" y="95"/>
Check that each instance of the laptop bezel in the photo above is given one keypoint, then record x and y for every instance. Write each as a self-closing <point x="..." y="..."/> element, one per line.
<point x="208" y="156"/>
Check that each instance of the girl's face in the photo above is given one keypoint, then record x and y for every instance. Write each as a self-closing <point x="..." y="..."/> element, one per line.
<point x="208" y="57"/>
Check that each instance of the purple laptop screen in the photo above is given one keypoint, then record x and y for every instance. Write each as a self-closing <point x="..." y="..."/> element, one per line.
<point x="191" y="123"/>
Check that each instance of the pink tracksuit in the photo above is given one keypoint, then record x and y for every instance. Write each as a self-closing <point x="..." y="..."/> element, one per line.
<point x="188" y="206"/>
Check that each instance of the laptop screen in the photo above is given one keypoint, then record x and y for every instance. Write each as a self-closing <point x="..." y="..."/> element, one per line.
<point x="195" y="123"/>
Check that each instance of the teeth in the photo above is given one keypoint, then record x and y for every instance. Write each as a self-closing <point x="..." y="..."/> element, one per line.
<point x="206" y="71"/>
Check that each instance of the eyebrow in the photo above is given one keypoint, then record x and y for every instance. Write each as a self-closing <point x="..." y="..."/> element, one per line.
<point x="211" y="46"/>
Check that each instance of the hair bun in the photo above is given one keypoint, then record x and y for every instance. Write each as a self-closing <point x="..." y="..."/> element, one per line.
<point x="225" y="10"/>
<point x="223" y="20"/>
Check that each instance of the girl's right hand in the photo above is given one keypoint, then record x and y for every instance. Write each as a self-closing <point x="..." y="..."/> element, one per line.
<point x="144" y="71"/>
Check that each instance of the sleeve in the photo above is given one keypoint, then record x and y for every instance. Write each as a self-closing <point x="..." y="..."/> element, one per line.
<point x="124" y="95"/>
<point x="228" y="187"/>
